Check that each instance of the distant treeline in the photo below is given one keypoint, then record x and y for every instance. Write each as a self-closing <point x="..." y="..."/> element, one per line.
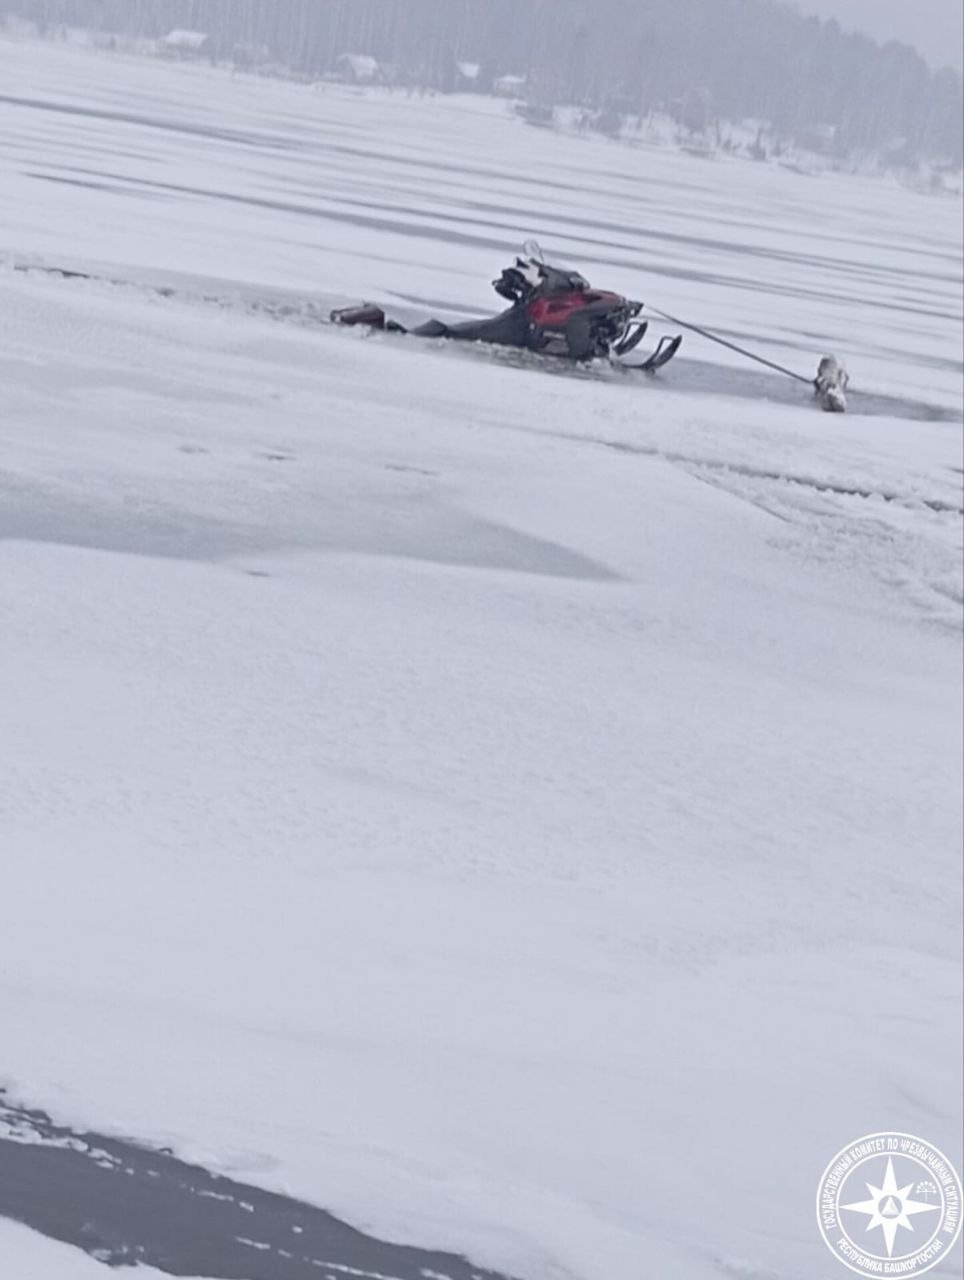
<point x="740" y="58"/>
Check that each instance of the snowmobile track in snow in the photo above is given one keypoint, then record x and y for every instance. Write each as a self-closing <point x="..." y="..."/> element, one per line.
<point x="125" y="1204"/>
<point x="805" y="482"/>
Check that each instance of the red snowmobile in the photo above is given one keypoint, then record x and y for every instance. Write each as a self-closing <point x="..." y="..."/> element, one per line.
<point x="553" y="311"/>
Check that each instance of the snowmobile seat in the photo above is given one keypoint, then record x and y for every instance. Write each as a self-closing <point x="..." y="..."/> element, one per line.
<point x="509" y="329"/>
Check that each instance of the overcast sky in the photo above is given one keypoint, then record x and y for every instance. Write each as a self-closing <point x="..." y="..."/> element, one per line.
<point x="934" y="27"/>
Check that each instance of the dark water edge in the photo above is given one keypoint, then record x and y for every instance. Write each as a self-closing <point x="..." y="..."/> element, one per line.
<point x="126" y="1204"/>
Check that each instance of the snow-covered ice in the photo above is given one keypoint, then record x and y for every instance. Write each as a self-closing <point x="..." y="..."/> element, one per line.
<point x="520" y="813"/>
<point x="27" y="1256"/>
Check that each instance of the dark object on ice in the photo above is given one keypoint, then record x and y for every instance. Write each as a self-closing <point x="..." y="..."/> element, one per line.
<point x="553" y="311"/>
<point x="556" y="312"/>
<point x="830" y="385"/>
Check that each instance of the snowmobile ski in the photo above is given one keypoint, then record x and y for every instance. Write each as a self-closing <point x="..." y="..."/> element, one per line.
<point x="665" y="350"/>
<point x="630" y="341"/>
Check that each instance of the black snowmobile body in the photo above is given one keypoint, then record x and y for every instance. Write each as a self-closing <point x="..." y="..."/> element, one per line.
<point x="553" y="312"/>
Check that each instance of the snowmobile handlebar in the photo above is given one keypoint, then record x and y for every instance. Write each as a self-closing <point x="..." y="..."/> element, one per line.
<point x="512" y="285"/>
<point x="527" y="276"/>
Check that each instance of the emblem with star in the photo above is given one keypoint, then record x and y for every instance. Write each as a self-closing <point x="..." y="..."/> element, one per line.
<point x="890" y="1207"/>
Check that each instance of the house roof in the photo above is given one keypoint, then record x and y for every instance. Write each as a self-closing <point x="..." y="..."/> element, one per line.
<point x="183" y="39"/>
<point x="363" y="66"/>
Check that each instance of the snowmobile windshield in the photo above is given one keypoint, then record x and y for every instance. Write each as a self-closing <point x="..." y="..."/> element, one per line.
<point x="554" y="275"/>
<point x="559" y="278"/>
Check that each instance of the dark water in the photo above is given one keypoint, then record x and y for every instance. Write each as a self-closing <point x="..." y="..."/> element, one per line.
<point x="124" y="1203"/>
